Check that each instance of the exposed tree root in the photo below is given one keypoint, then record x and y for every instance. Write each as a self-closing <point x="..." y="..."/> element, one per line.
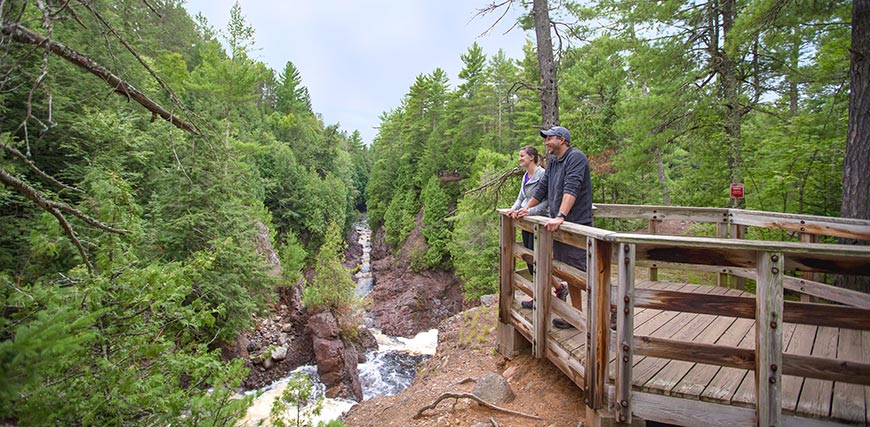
<point x="458" y="396"/>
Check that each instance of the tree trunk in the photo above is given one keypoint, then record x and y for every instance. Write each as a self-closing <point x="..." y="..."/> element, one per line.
<point x="730" y="94"/>
<point x="546" y="65"/>
<point x="663" y="179"/>
<point x="856" y="165"/>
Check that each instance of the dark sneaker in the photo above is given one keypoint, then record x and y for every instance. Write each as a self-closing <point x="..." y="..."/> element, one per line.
<point x="561" y="323"/>
<point x="562" y="293"/>
<point x="527" y="304"/>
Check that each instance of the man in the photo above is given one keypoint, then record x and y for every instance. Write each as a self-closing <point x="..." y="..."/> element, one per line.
<point x="567" y="187"/>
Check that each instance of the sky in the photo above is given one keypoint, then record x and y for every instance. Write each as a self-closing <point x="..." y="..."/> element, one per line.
<point x="358" y="58"/>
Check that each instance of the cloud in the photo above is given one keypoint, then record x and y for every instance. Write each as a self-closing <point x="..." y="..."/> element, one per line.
<point x="359" y="58"/>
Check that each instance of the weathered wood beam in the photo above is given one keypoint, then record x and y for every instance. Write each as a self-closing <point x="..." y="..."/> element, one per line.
<point x="741" y="306"/>
<point x="598" y="322"/>
<point x="573" y="276"/>
<point x="505" y="268"/>
<point x="544" y="257"/>
<point x="678" y="213"/>
<point x="822" y="225"/>
<point x="624" y="332"/>
<point x="817" y="289"/>
<point x="768" y="339"/>
<point x="744" y="358"/>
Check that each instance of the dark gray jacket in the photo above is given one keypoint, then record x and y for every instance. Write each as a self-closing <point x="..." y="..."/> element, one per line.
<point x="568" y="175"/>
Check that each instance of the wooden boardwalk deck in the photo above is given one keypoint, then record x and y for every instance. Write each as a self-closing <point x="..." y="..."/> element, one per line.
<point x="825" y="401"/>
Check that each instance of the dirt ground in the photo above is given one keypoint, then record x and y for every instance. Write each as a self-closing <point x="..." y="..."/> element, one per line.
<point x="466" y="351"/>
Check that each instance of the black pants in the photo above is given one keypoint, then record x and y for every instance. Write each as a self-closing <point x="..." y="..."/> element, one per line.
<point x="529" y="243"/>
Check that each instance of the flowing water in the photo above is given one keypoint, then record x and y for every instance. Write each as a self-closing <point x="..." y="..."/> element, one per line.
<point x="387" y="371"/>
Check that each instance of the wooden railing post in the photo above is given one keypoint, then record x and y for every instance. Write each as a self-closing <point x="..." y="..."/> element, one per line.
<point x="722" y="231"/>
<point x="506" y="269"/>
<point x="624" y="331"/>
<point x="737" y="231"/>
<point x="598" y="322"/>
<point x="510" y="341"/>
<point x="653" y="229"/>
<point x="543" y="271"/>
<point x="768" y="339"/>
<point x="809" y="275"/>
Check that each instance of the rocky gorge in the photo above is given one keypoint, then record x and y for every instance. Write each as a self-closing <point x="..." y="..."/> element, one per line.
<point x="402" y="302"/>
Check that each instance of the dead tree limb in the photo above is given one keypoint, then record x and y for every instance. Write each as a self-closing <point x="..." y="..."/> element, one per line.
<point x="173" y="98"/>
<point x="24" y="35"/>
<point x="498" y="181"/>
<point x="457" y="396"/>
<point x="31" y="194"/>
<point x="57" y="209"/>
<point x="11" y="150"/>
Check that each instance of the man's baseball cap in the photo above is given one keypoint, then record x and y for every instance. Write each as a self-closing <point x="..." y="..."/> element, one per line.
<point x="557" y="131"/>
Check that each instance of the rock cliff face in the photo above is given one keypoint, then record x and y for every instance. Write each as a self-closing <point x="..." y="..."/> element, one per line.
<point x="406" y="302"/>
<point x="336" y="360"/>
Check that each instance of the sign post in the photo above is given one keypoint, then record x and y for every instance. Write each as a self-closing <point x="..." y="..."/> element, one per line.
<point x="736" y="194"/>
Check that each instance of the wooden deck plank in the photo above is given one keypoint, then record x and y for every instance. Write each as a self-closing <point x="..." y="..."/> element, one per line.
<point x="682" y="326"/>
<point x="848" y="402"/>
<point x="727" y="380"/>
<point x="643" y="317"/>
<point x="700" y="375"/>
<point x="675" y="370"/>
<point x="745" y="393"/>
<point x="816" y="394"/>
<point x="801" y="343"/>
<point x="865" y="346"/>
<point x="840" y="402"/>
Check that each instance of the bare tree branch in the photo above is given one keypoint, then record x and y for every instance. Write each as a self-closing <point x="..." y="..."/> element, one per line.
<point x="492" y="7"/>
<point x="29" y="192"/>
<point x="457" y="396"/>
<point x="11" y="150"/>
<point x="497" y="182"/>
<point x="33" y="195"/>
<point x="172" y="97"/>
<point x="24" y="35"/>
<point x="152" y="8"/>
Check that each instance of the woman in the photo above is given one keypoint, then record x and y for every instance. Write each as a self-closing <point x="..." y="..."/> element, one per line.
<point x="529" y="160"/>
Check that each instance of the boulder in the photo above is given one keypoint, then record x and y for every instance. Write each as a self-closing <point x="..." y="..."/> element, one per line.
<point x="336" y="360"/>
<point x="279" y="353"/>
<point x="493" y="388"/>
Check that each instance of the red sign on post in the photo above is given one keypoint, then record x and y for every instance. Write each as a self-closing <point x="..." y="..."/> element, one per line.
<point x="736" y="191"/>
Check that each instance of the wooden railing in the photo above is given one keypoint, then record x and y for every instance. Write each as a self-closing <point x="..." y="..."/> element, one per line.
<point x="766" y="262"/>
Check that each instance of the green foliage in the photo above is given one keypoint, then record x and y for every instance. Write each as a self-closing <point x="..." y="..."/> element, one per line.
<point x="114" y="346"/>
<point x="475" y="248"/>
<point x="399" y="219"/>
<point x="435" y="231"/>
<point x="300" y="395"/>
<point x="133" y="340"/>
<point x="292" y="255"/>
<point x="332" y="287"/>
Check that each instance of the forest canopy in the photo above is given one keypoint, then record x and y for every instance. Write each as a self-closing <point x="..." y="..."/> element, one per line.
<point x="145" y="153"/>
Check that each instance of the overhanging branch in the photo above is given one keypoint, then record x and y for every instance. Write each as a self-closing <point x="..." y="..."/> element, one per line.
<point x="24" y="35"/>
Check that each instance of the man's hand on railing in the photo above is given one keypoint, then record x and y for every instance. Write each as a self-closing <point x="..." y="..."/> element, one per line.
<point x="554" y="223"/>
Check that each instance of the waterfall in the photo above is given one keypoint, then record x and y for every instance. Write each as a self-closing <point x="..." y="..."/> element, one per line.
<point x="387" y="371"/>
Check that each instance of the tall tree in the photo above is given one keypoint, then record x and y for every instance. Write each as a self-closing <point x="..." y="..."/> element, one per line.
<point x="549" y="91"/>
<point x="292" y="95"/>
<point x="856" y="171"/>
<point x="856" y="168"/>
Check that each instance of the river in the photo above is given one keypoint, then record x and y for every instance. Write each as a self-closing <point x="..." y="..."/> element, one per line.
<point x="387" y="371"/>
